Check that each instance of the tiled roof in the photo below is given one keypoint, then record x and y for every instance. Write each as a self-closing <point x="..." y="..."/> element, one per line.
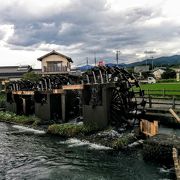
<point x="14" y="71"/>
<point x="54" y="53"/>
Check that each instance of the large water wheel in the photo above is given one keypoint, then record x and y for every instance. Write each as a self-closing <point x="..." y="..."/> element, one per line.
<point x="123" y="102"/>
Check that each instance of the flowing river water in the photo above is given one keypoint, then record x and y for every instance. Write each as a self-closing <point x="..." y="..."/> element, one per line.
<point x="27" y="155"/>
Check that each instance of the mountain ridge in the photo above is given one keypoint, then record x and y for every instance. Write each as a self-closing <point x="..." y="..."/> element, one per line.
<point x="160" y="61"/>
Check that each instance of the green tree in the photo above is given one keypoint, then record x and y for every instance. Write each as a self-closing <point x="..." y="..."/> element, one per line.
<point x="169" y="74"/>
<point x="31" y="76"/>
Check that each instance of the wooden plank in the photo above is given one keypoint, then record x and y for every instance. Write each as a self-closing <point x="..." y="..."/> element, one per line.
<point x="176" y="163"/>
<point x="174" y="115"/>
<point x="58" y="91"/>
<point x="23" y="92"/>
<point x="149" y="128"/>
<point x="63" y="107"/>
<point x="73" y="87"/>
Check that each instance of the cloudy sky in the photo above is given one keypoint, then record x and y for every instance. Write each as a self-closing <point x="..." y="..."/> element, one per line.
<point x="88" y="28"/>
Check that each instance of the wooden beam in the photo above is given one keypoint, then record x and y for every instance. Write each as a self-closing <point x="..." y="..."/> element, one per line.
<point x="23" y="92"/>
<point x="174" y="115"/>
<point x="63" y="107"/>
<point x="58" y="91"/>
<point x="73" y="87"/>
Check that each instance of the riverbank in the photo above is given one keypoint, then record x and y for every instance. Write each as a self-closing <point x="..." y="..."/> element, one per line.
<point x="12" y="118"/>
<point x="107" y="137"/>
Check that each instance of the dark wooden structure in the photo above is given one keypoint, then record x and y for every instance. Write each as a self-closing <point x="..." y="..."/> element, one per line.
<point x="102" y="95"/>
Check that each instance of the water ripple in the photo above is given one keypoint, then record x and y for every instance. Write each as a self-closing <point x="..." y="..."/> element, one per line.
<point x="32" y="157"/>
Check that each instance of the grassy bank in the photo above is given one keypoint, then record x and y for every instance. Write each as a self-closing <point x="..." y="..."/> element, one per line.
<point x="92" y="135"/>
<point x="24" y="120"/>
<point x="162" y="89"/>
<point x="160" y="86"/>
<point x="70" y="130"/>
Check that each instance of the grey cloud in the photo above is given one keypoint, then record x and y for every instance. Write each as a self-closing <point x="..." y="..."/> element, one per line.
<point x="88" y="22"/>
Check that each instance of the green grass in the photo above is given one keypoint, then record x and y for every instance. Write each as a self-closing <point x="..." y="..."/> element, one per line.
<point x="167" y="81"/>
<point x="70" y="130"/>
<point x="162" y="89"/>
<point x="123" y="141"/>
<point x="24" y="120"/>
<point x="160" y="86"/>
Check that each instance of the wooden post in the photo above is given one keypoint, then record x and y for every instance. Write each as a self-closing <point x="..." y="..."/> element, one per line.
<point x="173" y="102"/>
<point x="24" y="105"/>
<point x="63" y="106"/>
<point x="150" y="102"/>
<point x="176" y="163"/>
<point x="147" y="91"/>
<point x="163" y="92"/>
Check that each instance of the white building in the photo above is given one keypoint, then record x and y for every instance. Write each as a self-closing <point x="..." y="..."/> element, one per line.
<point x="55" y="63"/>
<point x="157" y="72"/>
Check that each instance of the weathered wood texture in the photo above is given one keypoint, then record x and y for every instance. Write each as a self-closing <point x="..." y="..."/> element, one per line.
<point x="73" y="87"/>
<point x="174" y="115"/>
<point x="58" y="91"/>
<point x="176" y="159"/>
<point x="149" y="128"/>
<point x="23" y="92"/>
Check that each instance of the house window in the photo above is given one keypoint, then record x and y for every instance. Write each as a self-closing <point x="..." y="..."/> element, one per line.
<point x="54" y="66"/>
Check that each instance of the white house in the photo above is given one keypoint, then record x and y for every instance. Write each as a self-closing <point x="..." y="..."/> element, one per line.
<point x="55" y="63"/>
<point x="157" y="72"/>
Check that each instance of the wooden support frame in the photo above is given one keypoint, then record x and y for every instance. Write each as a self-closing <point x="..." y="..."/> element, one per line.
<point x="176" y="162"/>
<point x="23" y="92"/>
<point x="174" y="115"/>
<point x="73" y="87"/>
<point x="58" y="91"/>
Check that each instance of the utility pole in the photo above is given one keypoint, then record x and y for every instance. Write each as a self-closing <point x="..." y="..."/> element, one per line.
<point x="95" y="59"/>
<point x="87" y="63"/>
<point x="152" y="63"/>
<point x="117" y="56"/>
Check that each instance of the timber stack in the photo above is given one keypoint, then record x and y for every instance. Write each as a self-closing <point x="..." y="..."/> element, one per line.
<point x="176" y="158"/>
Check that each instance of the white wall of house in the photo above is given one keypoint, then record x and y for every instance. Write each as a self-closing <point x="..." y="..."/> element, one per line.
<point x="55" y="58"/>
<point x="157" y="74"/>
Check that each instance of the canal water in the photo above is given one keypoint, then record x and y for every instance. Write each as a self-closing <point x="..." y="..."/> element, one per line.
<point x="27" y="155"/>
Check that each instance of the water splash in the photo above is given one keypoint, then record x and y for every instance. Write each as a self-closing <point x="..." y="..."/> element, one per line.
<point x="27" y="129"/>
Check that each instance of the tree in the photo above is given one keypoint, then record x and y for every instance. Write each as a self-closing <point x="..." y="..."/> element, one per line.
<point x="169" y="74"/>
<point x="31" y="76"/>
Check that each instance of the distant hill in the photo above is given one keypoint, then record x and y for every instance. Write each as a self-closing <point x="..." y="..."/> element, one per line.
<point x="161" y="61"/>
<point x="112" y="64"/>
<point x="85" y="67"/>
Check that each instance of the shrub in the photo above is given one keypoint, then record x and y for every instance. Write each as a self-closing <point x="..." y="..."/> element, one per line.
<point x="123" y="141"/>
<point x="70" y="130"/>
<point x="2" y="100"/>
<point x="12" y="117"/>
